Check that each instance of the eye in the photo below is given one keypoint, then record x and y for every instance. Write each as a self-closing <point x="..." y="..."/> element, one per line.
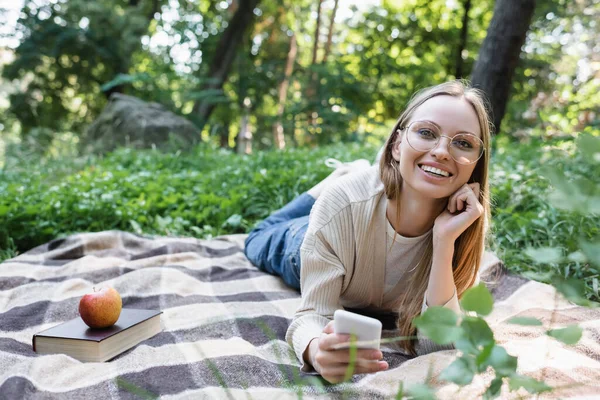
<point x="426" y="133"/>
<point x="463" y="144"/>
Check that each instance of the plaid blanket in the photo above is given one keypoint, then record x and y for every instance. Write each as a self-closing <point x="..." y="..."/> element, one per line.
<point x="224" y="324"/>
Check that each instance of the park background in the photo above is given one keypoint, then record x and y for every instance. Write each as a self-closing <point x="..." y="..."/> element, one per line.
<point x="251" y="96"/>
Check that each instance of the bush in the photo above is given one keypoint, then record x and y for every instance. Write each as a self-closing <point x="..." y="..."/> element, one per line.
<point x="202" y="193"/>
<point x="527" y="213"/>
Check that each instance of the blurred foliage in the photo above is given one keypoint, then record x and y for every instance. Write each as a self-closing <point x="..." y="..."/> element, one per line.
<point x="546" y="215"/>
<point x="73" y="53"/>
<point x="557" y="81"/>
<point x="479" y="351"/>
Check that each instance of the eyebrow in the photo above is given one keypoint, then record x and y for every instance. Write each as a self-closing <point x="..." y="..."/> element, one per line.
<point x="440" y="128"/>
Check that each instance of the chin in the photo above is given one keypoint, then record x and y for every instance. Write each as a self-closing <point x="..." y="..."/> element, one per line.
<point x="436" y="193"/>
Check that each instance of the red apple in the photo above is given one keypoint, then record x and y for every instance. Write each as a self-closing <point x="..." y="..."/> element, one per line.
<point x="100" y="309"/>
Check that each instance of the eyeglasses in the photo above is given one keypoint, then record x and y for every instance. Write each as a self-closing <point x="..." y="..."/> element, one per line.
<point x="464" y="148"/>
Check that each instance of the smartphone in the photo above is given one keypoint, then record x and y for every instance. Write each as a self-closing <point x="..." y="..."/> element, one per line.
<point x="366" y="329"/>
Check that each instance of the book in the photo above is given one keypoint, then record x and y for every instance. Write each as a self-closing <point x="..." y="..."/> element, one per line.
<point x="83" y="343"/>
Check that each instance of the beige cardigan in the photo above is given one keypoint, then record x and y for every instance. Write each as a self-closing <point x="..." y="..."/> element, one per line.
<point x="343" y="258"/>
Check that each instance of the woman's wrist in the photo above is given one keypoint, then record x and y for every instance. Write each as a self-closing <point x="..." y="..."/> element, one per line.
<point x="443" y="244"/>
<point x="441" y="286"/>
<point x="311" y="349"/>
<point x="443" y="253"/>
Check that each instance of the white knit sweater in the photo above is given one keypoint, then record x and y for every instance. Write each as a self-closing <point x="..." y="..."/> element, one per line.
<point x="343" y="259"/>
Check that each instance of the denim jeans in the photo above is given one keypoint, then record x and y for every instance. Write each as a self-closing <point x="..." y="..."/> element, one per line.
<point x="274" y="245"/>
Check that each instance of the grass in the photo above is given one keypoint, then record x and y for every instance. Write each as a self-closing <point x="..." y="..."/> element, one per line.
<point x="206" y="192"/>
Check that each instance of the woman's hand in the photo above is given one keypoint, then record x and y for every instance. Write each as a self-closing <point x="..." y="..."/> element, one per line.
<point x="462" y="210"/>
<point x="333" y="364"/>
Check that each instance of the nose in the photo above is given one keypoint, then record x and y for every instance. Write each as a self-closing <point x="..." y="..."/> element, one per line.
<point x="440" y="151"/>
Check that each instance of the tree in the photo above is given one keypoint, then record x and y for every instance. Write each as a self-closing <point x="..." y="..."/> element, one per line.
<point x="330" y="32"/>
<point x="224" y="57"/>
<point x="500" y="52"/>
<point x="311" y="91"/>
<point x="68" y="51"/>
<point x="278" y="136"/>
<point x="464" y="31"/>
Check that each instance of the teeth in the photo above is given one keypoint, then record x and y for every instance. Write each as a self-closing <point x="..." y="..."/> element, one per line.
<point x="434" y="170"/>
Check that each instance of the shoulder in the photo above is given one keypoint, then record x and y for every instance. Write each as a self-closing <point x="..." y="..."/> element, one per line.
<point x="356" y="187"/>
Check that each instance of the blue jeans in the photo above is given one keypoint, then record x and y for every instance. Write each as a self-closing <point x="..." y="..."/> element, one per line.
<point x="274" y="245"/>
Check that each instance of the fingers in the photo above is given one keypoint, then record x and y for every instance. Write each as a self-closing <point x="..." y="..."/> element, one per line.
<point x="453" y="202"/>
<point x="343" y="355"/>
<point x="333" y="364"/>
<point x="458" y="200"/>
<point x="328" y="340"/>
<point x="366" y="358"/>
<point x="336" y="374"/>
<point x="475" y="188"/>
<point x="328" y="328"/>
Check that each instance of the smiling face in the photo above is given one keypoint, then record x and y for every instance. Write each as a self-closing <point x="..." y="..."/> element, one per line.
<point x="453" y="115"/>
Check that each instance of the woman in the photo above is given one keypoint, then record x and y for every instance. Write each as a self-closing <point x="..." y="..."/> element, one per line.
<point x="401" y="236"/>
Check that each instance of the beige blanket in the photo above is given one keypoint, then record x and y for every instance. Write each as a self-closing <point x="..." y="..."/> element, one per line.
<point x="224" y="325"/>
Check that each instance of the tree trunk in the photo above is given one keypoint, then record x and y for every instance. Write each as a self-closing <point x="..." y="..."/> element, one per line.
<point x="317" y="28"/>
<point x="500" y="52"/>
<point x="312" y="85"/>
<point x="244" y="140"/>
<point x="464" y="30"/>
<point x="278" y="136"/>
<point x="224" y="136"/>
<point x="224" y="56"/>
<point x="330" y="33"/>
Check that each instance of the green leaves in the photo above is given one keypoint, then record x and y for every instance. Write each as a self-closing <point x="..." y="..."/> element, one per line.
<point x="421" y="392"/>
<point x="589" y="147"/>
<point x="544" y="255"/>
<point x="526" y="321"/>
<point x="477" y="331"/>
<point x="475" y="339"/>
<point x="592" y="252"/>
<point x="124" y="79"/>
<point x="531" y="385"/>
<point x="233" y="221"/>
<point x="569" y="335"/>
<point x="573" y="290"/>
<point x="136" y="227"/>
<point x="478" y="299"/>
<point x="439" y="324"/>
<point x="461" y="371"/>
<point x="494" y="389"/>
<point x="501" y="361"/>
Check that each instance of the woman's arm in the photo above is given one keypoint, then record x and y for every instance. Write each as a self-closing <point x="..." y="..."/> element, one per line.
<point x="441" y="288"/>
<point x="311" y="332"/>
<point x="326" y="253"/>
<point x="463" y="209"/>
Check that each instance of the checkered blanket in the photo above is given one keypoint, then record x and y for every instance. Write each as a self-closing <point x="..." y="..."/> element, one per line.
<point x="224" y="324"/>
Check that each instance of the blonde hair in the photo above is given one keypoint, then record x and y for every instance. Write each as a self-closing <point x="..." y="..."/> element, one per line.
<point x="469" y="247"/>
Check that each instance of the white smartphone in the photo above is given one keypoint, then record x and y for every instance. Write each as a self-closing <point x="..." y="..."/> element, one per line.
<point x="366" y="329"/>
